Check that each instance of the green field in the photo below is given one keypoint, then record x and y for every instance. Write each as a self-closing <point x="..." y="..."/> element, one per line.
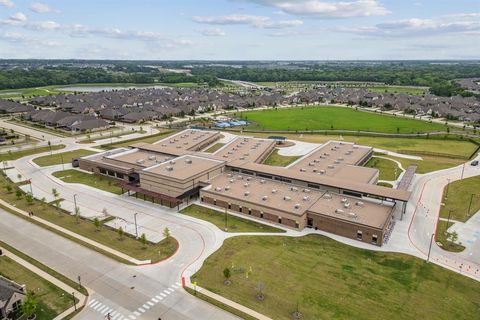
<point x="58" y="158"/>
<point x="148" y="139"/>
<point x="51" y="300"/>
<point x="234" y="223"/>
<point x="398" y="89"/>
<point x="459" y="195"/>
<point x="329" y="280"/>
<point x="336" y="118"/>
<point x="275" y="159"/>
<point x="92" y="180"/>
<point x="389" y="170"/>
<point x="14" y="155"/>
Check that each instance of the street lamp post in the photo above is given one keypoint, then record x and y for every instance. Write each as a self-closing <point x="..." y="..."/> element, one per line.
<point x="470" y="205"/>
<point x="79" y="281"/>
<point x="430" y="248"/>
<point x="463" y="170"/>
<point x="75" y="202"/>
<point x="73" y="299"/>
<point x="136" y="227"/>
<point x="63" y="165"/>
<point x="448" y="220"/>
<point x="446" y="191"/>
<point x="226" y="227"/>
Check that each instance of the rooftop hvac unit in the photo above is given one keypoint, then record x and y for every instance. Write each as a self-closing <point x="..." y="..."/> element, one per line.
<point x="185" y="143"/>
<point x="246" y="154"/>
<point x="240" y="177"/>
<point x="169" y="168"/>
<point x="188" y="160"/>
<point x="287" y="198"/>
<point x="303" y="170"/>
<point x="311" y="164"/>
<point x="352" y="215"/>
<point x="355" y="147"/>
<point x="225" y="156"/>
<point x="295" y="189"/>
<point x="230" y="152"/>
<point x="218" y="189"/>
<point x="331" y="166"/>
<point x="322" y="171"/>
<point x="264" y="198"/>
<point x="339" y="211"/>
<point x="297" y="206"/>
<point x="140" y="161"/>
<point x="359" y="203"/>
<point x="246" y="193"/>
<point x="231" y="180"/>
<point x="178" y="147"/>
<point x="152" y="157"/>
<point x="241" y="158"/>
<point x="234" y="149"/>
<point x="340" y="159"/>
<point x="315" y="170"/>
<point x="249" y="178"/>
<point x="316" y="160"/>
<point x="164" y="145"/>
<point x="262" y="181"/>
<point x="274" y="190"/>
<point x="172" y="161"/>
<point x="336" y="162"/>
<point x="306" y="190"/>
<point x="171" y="141"/>
<point x="246" y="185"/>
<point x="326" y="154"/>
<point x="229" y="175"/>
<point x="327" y="196"/>
<point x="322" y="157"/>
<point x="346" y="205"/>
<point x="305" y="198"/>
<point x="344" y="200"/>
<point x="227" y="188"/>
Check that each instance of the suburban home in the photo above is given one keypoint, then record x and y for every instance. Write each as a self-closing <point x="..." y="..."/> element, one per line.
<point x="11" y="297"/>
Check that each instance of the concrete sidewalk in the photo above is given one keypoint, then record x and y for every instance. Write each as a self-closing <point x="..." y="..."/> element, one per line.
<point x="82" y="299"/>
<point x="77" y="236"/>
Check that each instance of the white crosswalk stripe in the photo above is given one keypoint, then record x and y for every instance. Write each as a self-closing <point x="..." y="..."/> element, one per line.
<point x="167" y="292"/>
<point x="102" y="309"/>
<point x="178" y="284"/>
<point x="107" y="311"/>
<point x="132" y="317"/>
<point x="163" y="294"/>
<point x="158" y="297"/>
<point x="141" y="310"/>
<point x="94" y="304"/>
<point x="91" y="301"/>
<point x="154" y="300"/>
<point x="150" y="303"/>
<point x="145" y="306"/>
<point x="170" y="289"/>
<point x="100" y="305"/>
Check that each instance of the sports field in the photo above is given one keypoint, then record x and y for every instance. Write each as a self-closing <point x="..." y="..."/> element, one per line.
<point x="325" y="279"/>
<point x="336" y="118"/>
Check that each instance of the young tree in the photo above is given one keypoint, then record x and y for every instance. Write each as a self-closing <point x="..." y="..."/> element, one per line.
<point x="55" y="193"/>
<point x="260" y="288"/>
<point x="227" y="274"/>
<point x="29" y="198"/>
<point x="9" y="188"/>
<point x="19" y="176"/>
<point x="452" y="236"/>
<point x="43" y="201"/>
<point x="166" y="232"/>
<point x="143" y="240"/>
<point x="96" y="223"/>
<point x="18" y="194"/>
<point x="120" y="233"/>
<point x="29" y="305"/>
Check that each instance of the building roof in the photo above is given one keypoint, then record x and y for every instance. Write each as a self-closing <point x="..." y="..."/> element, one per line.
<point x="8" y="288"/>
<point x="245" y="149"/>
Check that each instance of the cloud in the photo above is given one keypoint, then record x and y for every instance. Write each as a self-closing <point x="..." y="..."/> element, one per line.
<point x="250" y="20"/>
<point x="39" y="7"/>
<point x="327" y="9"/>
<point x="214" y="32"/>
<point x="21" y="38"/>
<point x="7" y="3"/>
<point x="450" y="24"/>
<point x="19" y="17"/>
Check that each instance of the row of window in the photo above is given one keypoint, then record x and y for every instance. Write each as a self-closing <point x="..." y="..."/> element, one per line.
<point x="360" y="237"/>
<point x="111" y="173"/>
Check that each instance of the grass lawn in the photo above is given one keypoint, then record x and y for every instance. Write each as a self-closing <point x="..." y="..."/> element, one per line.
<point x="441" y="237"/>
<point x="14" y="155"/>
<point x="43" y="267"/>
<point x="148" y="139"/>
<point x="398" y="89"/>
<point x="51" y="299"/>
<point x="275" y="159"/>
<point x="385" y="184"/>
<point x="92" y="180"/>
<point x="86" y="228"/>
<point x="330" y="280"/>
<point x="234" y="223"/>
<point x="215" y="147"/>
<point x="66" y="157"/>
<point x="386" y="168"/>
<point x="429" y="163"/>
<point x="459" y="194"/>
<point x="338" y="118"/>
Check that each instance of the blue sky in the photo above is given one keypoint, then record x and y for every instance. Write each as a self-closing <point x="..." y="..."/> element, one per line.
<point x="240" y="29"/>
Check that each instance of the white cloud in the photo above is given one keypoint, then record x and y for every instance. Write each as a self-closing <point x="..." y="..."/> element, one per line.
<point x="7" y="3"/>
<point x="40" y="7"/>
<point x="19" y="17"/>
<point x="21" y="38"/>
<point x="214" y="32"/>
<point x="251" y="20"/>
<point x="456" y="24"/>
<point x="327" y="9"/>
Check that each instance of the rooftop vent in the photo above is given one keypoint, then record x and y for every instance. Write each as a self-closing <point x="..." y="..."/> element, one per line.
<point x="322" y="171"/>
<point x="152" y="157"/>
<point x="305" y="198"/>
<point x="218" y="189"/>
<point x="327" y="196"/>
<point x="311" y="164"/>
<point x="227" y="188"/>
<point x="295" y="189"/>
<point x="240" y="177"/>
<point x="303" y="170"/>
<point x="359" y="203"/>
<point x="140" y="161"/>
<point x="172" y="161"/>
<point x="306" y="190"/>
<point x="262" y="181"/>
<point x="246" y="193"/>
<point x="264" y="198"/>
<point x="297" y="206"/>
<point x="346" y="205"/>
<point x="188" y="160"/>
<point x="274" y="190"/>
<point x="331" y="166"/>
<point x="229" y="175"/>
<point x="339" y="211"/>
<point x="246" y="185"/>
<point x="231" y="180"/>
<point x="344" y="200"/>
<point x="352" y="215"/>
<point x="169" y="168"/>
<point x="287" y="198"/>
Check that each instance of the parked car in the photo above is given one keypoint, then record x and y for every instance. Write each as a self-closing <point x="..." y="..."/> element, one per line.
<point x="474" y="163"/>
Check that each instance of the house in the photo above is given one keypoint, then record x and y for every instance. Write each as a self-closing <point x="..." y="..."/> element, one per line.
<point x="90" y="125"/>
<point x="11" y="297"/>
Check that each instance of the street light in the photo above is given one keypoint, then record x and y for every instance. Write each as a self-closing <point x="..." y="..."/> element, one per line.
<point x="74" y="303"/>
<point x="136" y="227"/>
<point x="446" y="190"/>
<point x="75" y="202"/>
<point x="448" y="220"/>
<point x="226" y="228"/>
<point x="430" y="248"/>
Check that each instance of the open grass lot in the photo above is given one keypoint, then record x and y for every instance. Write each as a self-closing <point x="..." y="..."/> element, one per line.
<point x="14" y="155"/>
<point x="215" y="147"/>
<point x="275" y="159"/>
<point x="57" y="158"/>
<point x="429" y="163"/>
<point x="441" y="237"/>
<point x="148" y="139"/>
<point x="337" y="118"/>
<point x="398" y="89"/>
<point x="330" y="280"/>
<point x="389" y="170"/>
<point x="459" y="194"/>
<point x="86" y="228"/>
<point x="92" y="180"/>
<point x="51" y="299"/>
<point x="234" y="223"/>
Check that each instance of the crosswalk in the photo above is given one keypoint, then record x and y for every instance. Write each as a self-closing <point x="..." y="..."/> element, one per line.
<point x="104" y="309"/>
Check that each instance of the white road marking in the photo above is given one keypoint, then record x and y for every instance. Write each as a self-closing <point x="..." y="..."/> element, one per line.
<point x="132" y="317"/>
<point x="167" y="292"/>
<point x="158" y="297"/>
<point x="100" y="305"/>
<point x="145" y="306"/>
<point x="163" y="294"/>
<point x="107" y="311"/>
<point x="91" y="301"/>
<point x="174" y="286"/>
<point x="102" y="309"/>
<point x="150" y="303"/>
<point x="154" y="300"/>
<point x="136" y="313"/>
<point x="171" y="290"/>
<point x="94" y="304"/>
<point x="141" y="310"/>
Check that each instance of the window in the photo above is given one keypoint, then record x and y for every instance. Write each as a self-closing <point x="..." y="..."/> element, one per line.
<point x="261" y="214"/>
<point x="280" y="220"/>
<point x="250" y="212"/>
<point x="103" y="171"/>
<point x="374" y="239"/>
<point x="313" y="186"/>
<point x="359" y="235"/>
<point x="111" y="173"/>
<point x="239" y="209"/>
<point x="214" y="202"/>
<point x="201" y="199"/>
<point x="297" y="225"/>
<point x="229" y="206"/>
<point x="119" y="175"/>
